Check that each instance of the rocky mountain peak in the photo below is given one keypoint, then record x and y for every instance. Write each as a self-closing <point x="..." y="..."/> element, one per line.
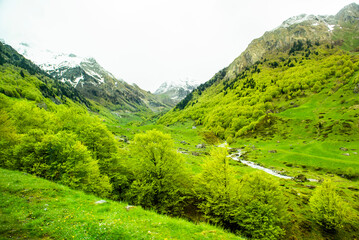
<point x="306" y="18"/>
<point x="177" y="90"/>
<point x="349" y="13"/>
<point x="304" y="27"/>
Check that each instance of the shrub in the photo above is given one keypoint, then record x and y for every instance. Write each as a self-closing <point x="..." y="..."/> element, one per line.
<point x="261" y="210"/>
<point x="328" y="208"/>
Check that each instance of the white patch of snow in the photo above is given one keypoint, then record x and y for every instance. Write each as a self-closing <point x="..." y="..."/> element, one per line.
<point x="330" y="27"/>
<point x="77" y="80"/>
<point x="303" y="18"/>
<point x="47" y="59"/>
<point x="95" y="75"/>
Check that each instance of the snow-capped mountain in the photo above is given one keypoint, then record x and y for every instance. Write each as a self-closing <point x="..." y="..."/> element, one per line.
<point x="327" y="20"/>
<point x="178" y="90"/>
<point x="91" y="79"/>
<point x="65" y="67"/>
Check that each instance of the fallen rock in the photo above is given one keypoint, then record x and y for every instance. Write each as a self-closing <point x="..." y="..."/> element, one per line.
<point x="194" y="127"/>
<point x="184" y="143"/>
<point x="129" y="207"/>
<point x="356" y="89"/>
<point x="101" y="202"/>
<point x="195" y="153"/>
<point x="343" y="149"/>
<point x="182" y="150"/>
<point x="300" y="178"/>
<point x="201" y="145"/>
<point x="346" y="154"/>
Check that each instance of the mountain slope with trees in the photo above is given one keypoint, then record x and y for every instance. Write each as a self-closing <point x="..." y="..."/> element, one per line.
<point x="94" y="82"/>
<point x="305" y="58"/>
<point x="295" y="111"/>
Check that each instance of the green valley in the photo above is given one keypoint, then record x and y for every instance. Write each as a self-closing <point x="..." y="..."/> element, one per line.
<point x="288" y="103"/>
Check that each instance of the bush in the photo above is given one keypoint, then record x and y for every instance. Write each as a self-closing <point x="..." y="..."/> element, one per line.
<point x="60" y="157"/>
<point x="261" y="210"/>
<point x="328" y="208"/>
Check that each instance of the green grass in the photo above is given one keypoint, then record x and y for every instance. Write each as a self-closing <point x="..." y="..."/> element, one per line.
<point x="33" y="208"/>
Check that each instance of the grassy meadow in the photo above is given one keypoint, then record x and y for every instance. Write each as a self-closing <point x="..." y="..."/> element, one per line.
<point x="33" y="208"/>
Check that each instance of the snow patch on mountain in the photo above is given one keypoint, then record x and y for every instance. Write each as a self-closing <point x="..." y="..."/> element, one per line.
<point x="177" y="90"/>
<point x="314" y="19"/>
<point x="47" y="59"/>
<point x="60" y="65"/>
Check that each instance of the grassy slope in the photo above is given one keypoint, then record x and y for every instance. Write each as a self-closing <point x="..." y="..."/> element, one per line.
<point x="33" y="208"/>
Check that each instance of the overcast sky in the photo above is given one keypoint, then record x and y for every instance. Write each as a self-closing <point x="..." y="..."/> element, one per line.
<point x="148" y="42"/>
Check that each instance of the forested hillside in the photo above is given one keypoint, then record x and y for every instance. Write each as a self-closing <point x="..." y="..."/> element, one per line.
<point x="249" y="104"/>
<point x="266" y="149"/>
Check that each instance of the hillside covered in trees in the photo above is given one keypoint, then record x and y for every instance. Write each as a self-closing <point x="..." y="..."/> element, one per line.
<point x="290" y="107"/>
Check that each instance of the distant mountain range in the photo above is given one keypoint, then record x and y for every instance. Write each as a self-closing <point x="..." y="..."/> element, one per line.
<point x="92" y="80"/>
<point x="176" y="91"/>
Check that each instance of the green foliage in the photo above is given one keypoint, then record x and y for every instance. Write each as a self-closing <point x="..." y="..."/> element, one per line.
<point x="236" y="107"/>
<point x="33" y="208"/>
<point x="217" y="188"/>
<point x="161" y="181"/>
<point x="330" y="211"/>
<point x="254" y="205"/>
<point x="261" y="209"/>
<point x="8" y="137"/>
<point x="198" y="91"/>
<point x="43" y="143"/>
<point x="60" y="157"/>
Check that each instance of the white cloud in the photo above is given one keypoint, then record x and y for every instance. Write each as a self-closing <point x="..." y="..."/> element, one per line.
<point x="149" y="42"/>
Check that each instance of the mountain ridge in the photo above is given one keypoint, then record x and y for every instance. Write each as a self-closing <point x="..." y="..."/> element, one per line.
<point x="302" y="27"/>
<point x="322" y="29"/>
<point x="175" y="91"/>
<point x="92" y="80"/>
<point x="263" y="79"/>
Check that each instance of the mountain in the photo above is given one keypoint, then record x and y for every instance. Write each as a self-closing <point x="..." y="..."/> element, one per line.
<point x="36" y="86"/>
<point x="92" y="80"/>
<point x="176" y="91"/>
<point x="323" y="29"/>
<point x="307" y="57"/>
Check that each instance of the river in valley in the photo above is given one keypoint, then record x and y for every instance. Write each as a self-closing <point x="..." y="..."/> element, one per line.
<point x="236" y="157"/>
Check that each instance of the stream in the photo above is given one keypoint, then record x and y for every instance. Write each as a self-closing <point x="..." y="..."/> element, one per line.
<point x="236" y="157"/>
